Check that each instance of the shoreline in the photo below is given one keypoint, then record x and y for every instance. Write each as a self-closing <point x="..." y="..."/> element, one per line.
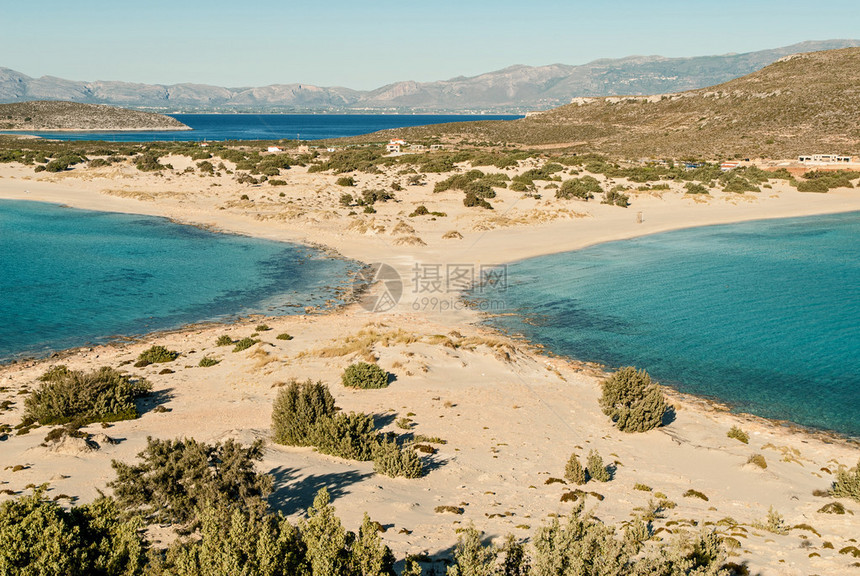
<point x="510" y="410"/>
<point x="710" y="403"/>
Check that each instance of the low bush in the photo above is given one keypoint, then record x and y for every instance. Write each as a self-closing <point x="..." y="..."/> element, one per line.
<point x="847" y="484"/>
<point x="175" y="478"/>
<point x="155" y="355"/>
<point x="393" y="460"/>
<point x="244" y="344"/>
<point x="596" y="468"/>
<point x="364" y="375"/>
<point x="757" y="460"/>
<point x="297" y="409"/>
<point x="224" y="340"/>
<point x="345" y="181"/>
<point x="738" y="434"/>
<point x="632" y="401"/>
<point x="351" y="436"/>
<point x="695" y="188"/>
<point x="207" y="362"/>
<point x="583" y="188"/>
<point x="616" y="198"/>
<point x="574" y="472"/>
<point x="104" y="395"/>
<point x="284" y="336"/>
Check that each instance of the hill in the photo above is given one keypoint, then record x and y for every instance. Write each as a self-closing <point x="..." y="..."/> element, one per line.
<point x="44" y="115"/>
<point x="516" y="89"/>
<point x="802" y="104"/>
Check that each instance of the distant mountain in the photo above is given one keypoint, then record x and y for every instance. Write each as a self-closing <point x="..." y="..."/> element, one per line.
<point x="802" y="104"/>
<point x="53" y="115"/>
<point x="515" y="89"/>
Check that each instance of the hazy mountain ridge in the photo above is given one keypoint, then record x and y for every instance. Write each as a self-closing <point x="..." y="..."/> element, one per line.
<point x="802" y="104"/>
<point x="516" y="88"/>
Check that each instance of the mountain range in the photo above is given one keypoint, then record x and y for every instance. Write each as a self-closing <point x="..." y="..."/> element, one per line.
<point x="516" y="89"/>
<point x="802" y="104"/>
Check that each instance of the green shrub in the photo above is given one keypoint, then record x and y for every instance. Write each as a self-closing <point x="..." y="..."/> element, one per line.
<point x="207" y="362"/>
<point x="632" y="401"/>
<point x="615" y="198"/>
<point x="574" y="472"/>
<point x="583" y="188"/>
<point x="695" y="494"/>
<point x="595" y="467"/>
<point x="244" y="344"/>
<point x="364" y="375"/>
<point x="847" y="484"/>
<point x="346" y="200"/>
<point x="103" y="395"/>
<point x="40" y="538"/>
<point x="345" y="181"/>
<point x="738" y="434"/>
<point x="694" y="188"/>
<point x="351" y="436"/>
<point x="393" y="460"/>
<point x="263" y="328"/>
<point x="177" y="477"/>
<point x="155" y="355"/>
<point x="284" y="336"/>
<point x="224" y="340"/>
<point x="297" y="409"/>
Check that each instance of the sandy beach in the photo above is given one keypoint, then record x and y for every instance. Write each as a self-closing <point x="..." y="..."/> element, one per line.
<point x="510" y="414"/>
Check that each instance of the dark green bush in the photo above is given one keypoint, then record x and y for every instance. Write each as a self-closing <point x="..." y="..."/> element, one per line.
<point x="632" y="401"/>
<point x="244" y="344"/>
<point x="393" y="460"/>
<point x="351" y="436"/>
<point x="40" y="538"/>
<point x="155" y="355"/>
<point x="103" y="395"/>
<point x="224" y="340"/>
<point x="596" y="468"/>
<point x="364" y="375"/>
<point x="583" y="188"/>
<point x="694" y="188"/>
<point x="284" y="336"/>
<point x="345" y="181"/>
<point x="297" y="409"/>
<point x="176" y="478"/>
<point x="207" y="362"/>
<point x="847" y="484"/>
<point x="615" y="198"/>
<point x="574" y="472"/>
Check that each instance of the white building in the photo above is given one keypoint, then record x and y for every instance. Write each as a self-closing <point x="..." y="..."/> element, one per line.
<point x="824" y="159"/>
<point x="274" y="149"/>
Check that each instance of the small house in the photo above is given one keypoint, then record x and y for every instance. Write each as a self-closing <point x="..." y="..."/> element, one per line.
<point x="274" y="149"/>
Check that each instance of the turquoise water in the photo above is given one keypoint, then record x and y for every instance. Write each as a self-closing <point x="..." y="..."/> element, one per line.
<point x="71" y="277"/>
<point x="764" y="316"/>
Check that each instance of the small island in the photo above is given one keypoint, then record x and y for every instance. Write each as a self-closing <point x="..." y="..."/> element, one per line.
<point x="44" y="115"/>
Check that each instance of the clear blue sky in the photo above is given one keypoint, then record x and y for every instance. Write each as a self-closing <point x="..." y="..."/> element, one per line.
<point x="367" y="44"/>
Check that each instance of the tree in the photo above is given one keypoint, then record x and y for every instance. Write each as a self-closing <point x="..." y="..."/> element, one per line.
<point x="632" y="401"/>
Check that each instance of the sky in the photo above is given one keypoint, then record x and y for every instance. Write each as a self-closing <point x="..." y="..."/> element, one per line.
<point x="365" y="45"/>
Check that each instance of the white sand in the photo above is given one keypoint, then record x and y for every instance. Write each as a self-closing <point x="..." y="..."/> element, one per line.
<point x="511" y="415"/>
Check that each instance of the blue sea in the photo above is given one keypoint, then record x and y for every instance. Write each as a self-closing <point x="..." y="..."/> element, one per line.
<point x="214" y="127"/>
<point x="70" y="277"/>
<point x="764" y="316"/>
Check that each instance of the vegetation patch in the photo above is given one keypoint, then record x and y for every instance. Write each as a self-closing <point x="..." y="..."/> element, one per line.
<point x="155" y="355"/>
<point x="632" y="401"/>
<point x="364" y="375"/>
<point x="104" y="395"/>
<point x="244" y="344"/>
<point x="738" y="434"/>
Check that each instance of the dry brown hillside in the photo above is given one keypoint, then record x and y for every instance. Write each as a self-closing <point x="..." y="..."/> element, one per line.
<point x="50" y="115"/>
<point x="807" y="103"/>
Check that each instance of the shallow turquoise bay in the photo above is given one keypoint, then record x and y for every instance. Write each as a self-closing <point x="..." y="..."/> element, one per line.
<point x="764" y="316"/>
<point x="71" y="277"/>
